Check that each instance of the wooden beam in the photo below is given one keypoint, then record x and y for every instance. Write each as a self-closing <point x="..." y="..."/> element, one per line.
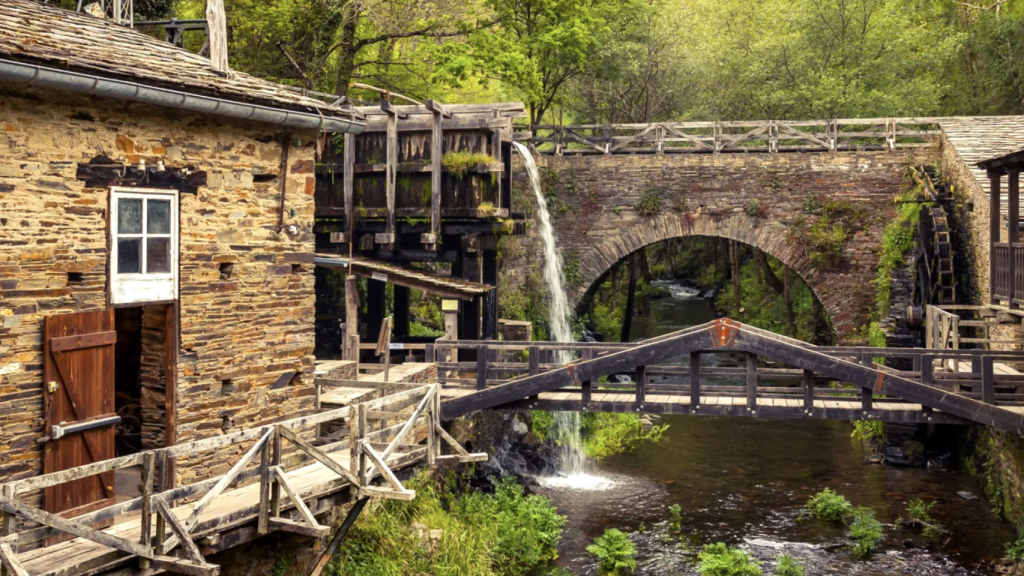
<point x="320" y="456"/>
<point x="217" y="34"/>
<point x="191" y="550"/>
<point x="10" y="560"/>
<point x="74" y="528"/>
<point x="382" y="467"/>
<point x="427" y="398"/>
<point x="695" y="379"/>
<point x="285" y="525"/>
<point x="300" y="506"/>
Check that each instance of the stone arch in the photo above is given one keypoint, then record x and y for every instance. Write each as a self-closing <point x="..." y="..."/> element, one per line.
<point x="833" y="288"/>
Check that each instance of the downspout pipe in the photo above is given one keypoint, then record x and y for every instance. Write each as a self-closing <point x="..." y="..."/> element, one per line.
<point x="52" y="78"/>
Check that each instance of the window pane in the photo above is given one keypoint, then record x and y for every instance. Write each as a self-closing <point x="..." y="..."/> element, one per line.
<point x="158" y="254"/>
<point x="129" y="252"/>
<point x="158" y="214"/>
<point x="129" y="216"/>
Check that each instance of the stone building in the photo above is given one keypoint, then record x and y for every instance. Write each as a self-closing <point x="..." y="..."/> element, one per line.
<point x="156" y="248"/>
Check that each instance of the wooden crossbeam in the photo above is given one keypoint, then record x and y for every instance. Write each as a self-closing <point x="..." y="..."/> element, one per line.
<point x="320" y="456"/>
<point x="10" y="560"/>
<point x="74" y="528"/>
<point x="303" y="510"/>
<point x="219" y="488"/>
<point x="285" y="525"/>
<point x="410" y="423"/>
<point x="386" y="472"/>
<point x="191" y="550"/>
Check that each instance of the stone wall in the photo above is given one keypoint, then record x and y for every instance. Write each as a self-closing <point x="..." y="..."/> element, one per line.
<point x="243" y="333"/>
<point x="597" y="222"/>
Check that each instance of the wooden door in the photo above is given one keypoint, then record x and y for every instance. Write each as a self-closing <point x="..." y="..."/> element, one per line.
<point x="78" y="381"/>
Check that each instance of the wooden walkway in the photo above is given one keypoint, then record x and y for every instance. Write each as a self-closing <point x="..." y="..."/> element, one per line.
<point x="777" y="377"/>
<point x="290" y="472"/>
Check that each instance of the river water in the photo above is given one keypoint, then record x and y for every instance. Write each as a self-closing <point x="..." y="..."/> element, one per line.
<point x="744" y="481"/>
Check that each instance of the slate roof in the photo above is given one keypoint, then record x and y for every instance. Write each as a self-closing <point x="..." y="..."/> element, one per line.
<point x="35" y="33"/>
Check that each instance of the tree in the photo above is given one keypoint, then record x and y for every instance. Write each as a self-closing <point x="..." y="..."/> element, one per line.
<point x="535" y="48"/>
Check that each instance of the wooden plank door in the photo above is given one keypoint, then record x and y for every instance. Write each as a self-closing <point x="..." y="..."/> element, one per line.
<point x="78" y="379"/>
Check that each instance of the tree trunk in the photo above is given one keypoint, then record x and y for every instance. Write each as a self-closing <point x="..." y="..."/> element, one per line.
<point x="735" y="261"/>
<point x="670" y="253"/>
<point x="627" y="317"/>
<point x="757" y="266"/>
<point x="769" y="274"/>
<point x="788" y="297"/>
<point x="347" y="53"/>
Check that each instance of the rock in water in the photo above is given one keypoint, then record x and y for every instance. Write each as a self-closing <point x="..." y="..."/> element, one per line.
<point x="967" y="495"/>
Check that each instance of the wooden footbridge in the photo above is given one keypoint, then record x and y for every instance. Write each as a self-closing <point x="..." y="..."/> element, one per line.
<point x="288" y="473"/>
<point x="776" y="377"/>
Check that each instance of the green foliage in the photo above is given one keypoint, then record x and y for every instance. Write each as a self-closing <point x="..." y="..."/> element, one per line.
<point x="721" y="560"/>
<point x="827" y="505"/>
<point x="541" y="423"/>
<point x="283" y="565"/>
<point x="460" y="163"/>
<point x="826" y="240"/>
<point x="615" y="552"/>
<point x="786" y="565"/>
<point x="417" y="329"/>
<point x="869" y="431"/>
<point x="897" y="239"/>
<point x="571" y="272"/>
<point x="1015" y="549"/>
<point x="676" y="517"/>
<point x="756" y="209"/>
<point x="607" y="433"/>
<point x="650" y="202"/>
<point x="919" y="513"/>
<point x="500" y="534"/>
<point x="865" y="530"/>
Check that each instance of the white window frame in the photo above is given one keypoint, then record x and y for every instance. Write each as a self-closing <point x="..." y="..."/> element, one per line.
<point x="129" y="288"/>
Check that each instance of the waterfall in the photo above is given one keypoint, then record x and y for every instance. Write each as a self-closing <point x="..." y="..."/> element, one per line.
<point x="572" y="460"/>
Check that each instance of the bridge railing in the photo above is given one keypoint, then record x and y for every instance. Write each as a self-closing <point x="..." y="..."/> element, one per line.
<point x="366" y="434"/>
<point x="735" y="136"/>
<point x="725" y="373"/>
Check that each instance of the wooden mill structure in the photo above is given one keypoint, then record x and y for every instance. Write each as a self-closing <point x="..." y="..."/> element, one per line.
<point x="428" y="183"/>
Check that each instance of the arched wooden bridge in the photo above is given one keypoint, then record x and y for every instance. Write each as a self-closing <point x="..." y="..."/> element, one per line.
<point x="777" y="377"/>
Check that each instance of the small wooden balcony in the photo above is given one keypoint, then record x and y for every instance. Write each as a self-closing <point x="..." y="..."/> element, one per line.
<point x="1006" y="256"/>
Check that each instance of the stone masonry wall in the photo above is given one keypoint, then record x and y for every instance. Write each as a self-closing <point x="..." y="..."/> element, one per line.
<point x="597" y="223"/>
<point x="241" y="334"/>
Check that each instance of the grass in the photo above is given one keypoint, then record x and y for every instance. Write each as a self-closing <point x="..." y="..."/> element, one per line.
<point x="827" y="505"/>
<point x="502" y="534"/>
<point x="721" y="560"/>
<point x="919" y="514"/>
<point x="459" y="163"/>
<point x="607" y="434"/>
<point x="615" y="552"/>
<point x="650" y="202"/>
<point x="869" y="431"/>
<point x="786" y="565"/>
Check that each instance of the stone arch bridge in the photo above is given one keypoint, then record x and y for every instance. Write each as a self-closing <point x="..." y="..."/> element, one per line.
<point x="765" y="186"/>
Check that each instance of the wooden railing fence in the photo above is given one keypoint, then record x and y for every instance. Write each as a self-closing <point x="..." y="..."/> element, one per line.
<point x="736" y="136"/>
<point x="371" y="453"/>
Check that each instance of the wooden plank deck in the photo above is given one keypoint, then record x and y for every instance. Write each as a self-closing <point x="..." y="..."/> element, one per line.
<point x="233" y="508"/>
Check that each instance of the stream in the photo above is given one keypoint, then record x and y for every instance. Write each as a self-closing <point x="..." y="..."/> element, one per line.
<point x="744" y="482"/>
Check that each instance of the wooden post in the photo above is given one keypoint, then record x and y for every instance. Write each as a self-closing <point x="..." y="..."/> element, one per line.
<point x="161" y="486"/>
<point x="433" y="242"/>
<point x="481" y="367"/>
<point x="451" y="332"/>
<point x="993" y="235"/>
<point x="387" y="240"/>
<point x="627" y="315"/>
<point x="641" y="384"/>
<point x="694" y="380"/>
<point x="807" y="382"/>
<point x="266" y="478"/>
<point x="534" y="368"/>
<point x="348" y="177"/>
<point x="217" y="34"/>
<point x="148" y="473"/>
<point x="360" y="433"/>
<point x="586" y="387"/>
<point x="351" y="316"/>
<point x="490" y="311"/>
<point x="376" y="306"/>
<point x="866" y="395"/>
<point x="496" y="154"/>
<point x="275" y="488"/>
<point x="1013" y="236"/>
<point x="7" y="525"/>
<point x="988" y="386"/>
<point x="751" y="380"/>
<point x="401" y="303"/>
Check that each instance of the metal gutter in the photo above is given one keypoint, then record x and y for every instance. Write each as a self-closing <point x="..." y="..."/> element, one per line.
<point x="43" y="77"/>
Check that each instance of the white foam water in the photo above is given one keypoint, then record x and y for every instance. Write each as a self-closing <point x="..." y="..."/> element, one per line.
<point x="572" y="459"/>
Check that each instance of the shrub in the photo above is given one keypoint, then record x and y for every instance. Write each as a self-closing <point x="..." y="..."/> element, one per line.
<point x="615" y="552"/>
<point x="1016" y="549"/>
<point x="826" y="240"/>
<point x="650" y="202"/>
<point x="919" y="513"/>
<point x="528" y="530"/>
<point x="676" y="513"/>
<point x="865" y="530"/>
<point x="608" y="433"/>
<point x="786" y="565"/>
<point x="721" y="560"/>
<point x="827" y="505"/>
<point x="541" y="424"/>
<point x="756" y="209"/>
<point x="869" y="430"/>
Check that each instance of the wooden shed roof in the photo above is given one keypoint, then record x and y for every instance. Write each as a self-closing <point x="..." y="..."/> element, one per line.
<point x="1012" y="161"/>
<point x="36" y="33"/>
<point x="425" y="280"/>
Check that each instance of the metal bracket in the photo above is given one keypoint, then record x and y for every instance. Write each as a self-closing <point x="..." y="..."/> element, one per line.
<point x="724" y="332"/>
